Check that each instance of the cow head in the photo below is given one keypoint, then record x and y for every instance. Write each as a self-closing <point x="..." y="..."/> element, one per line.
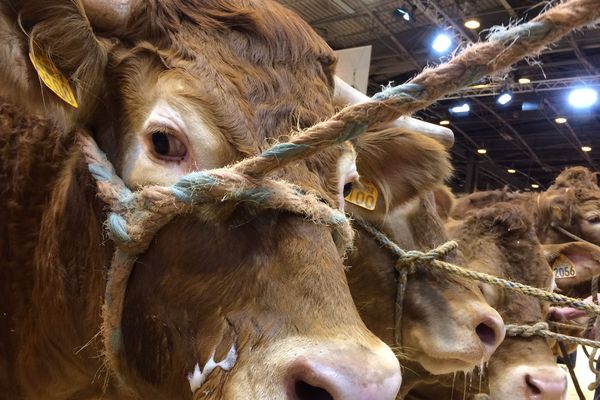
<point x="243" y="303"/>
<point x="446" y="324"/>
<point x="501" y="240"/>
<point x="573" y="203"/>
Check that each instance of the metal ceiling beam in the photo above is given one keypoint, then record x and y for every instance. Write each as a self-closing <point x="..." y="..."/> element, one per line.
<point x="401" y="50"/>
<point x="517" y="135"/>
<point x="508" y="8"/>
<point x="581" y="57"/>
<point x="571" y="131"/>
<point x="439" y="17"/>
<point x="493" y="88"/>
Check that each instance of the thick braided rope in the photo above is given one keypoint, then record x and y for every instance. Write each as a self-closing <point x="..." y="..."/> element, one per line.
<point x="542" y="329"/>
<point x="504" y="47"/>
<point x="135" y="218"/>
<point x="434" y="263"/>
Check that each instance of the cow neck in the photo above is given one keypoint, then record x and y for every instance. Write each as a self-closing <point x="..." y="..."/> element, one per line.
<point x="135" y="217"/>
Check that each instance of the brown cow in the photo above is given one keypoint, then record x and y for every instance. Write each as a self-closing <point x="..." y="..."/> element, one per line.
<point x="447" y="326"/>
<point x="169" y="87"/>
<point x="571" y="203"/>
<point x="500" y="239"/>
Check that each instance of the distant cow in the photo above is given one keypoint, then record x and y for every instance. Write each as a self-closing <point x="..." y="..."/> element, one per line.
<point x="571" y="204"/>
<point x="500" y="239"/>
<point x="447" y="326"/>
<point x="251" y="305"/>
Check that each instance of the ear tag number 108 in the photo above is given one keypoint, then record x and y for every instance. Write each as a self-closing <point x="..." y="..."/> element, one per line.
<point x="364" y="196"/>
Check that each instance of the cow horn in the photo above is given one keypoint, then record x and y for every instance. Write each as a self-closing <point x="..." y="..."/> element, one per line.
<point x="108" y="15"/>
<point x="346" y="94"/>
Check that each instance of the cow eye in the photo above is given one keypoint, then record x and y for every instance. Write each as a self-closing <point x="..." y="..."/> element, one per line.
<point x="595" y="219"/>
<point x="347" y="189"/>
<point x="166" y="146"/>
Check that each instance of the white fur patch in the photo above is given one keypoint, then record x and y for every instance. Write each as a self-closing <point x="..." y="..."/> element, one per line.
<point x="198" y="377"/>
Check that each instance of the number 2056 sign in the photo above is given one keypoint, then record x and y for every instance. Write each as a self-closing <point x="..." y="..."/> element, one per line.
<point x="564" y="268"/>
<point x="365" y="196"/>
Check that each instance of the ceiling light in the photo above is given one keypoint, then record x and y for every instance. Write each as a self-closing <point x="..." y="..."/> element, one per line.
<point x="405" y="15"/>
<point x="532" y="106"/>
<point x="524" y="81"/>
<point x="583" y="97"/>
<point x="535" y="186"/>
<point x="472" y="23"/>
<point x="560" y="120"/>
<point x="444" y="122"/>
<point x="460" y="109"/>
<point x="504" y="98"/>
<point x="441" y="43"/>
<point x="511" y="171"/>
<point x="481" y="151"/>
<point x="505" y="94"/>
<point x="586" y="148"/>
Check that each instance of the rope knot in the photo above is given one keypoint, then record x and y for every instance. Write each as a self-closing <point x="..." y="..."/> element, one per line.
<point x="409" y="259"/>
<point x="527" y="330"/>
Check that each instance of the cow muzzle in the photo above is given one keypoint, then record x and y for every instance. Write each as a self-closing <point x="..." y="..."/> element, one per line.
<point x="338" y="370"/>
<point x="531" y="382"/>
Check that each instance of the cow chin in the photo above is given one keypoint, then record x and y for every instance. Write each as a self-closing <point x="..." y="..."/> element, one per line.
<point x="442" y="366"/>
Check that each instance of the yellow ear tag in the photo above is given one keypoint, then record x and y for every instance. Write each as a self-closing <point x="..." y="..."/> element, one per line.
<point x="563" y="268"/>
<point x="53" y="78"/>
<point x="557" y="213"/>
<point x="365" y="196"/>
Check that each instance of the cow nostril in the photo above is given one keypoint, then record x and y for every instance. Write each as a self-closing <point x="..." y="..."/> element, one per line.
<point x="531" y="385"/>
<point x="486" y="333"/>
<point x="304" y="391"/>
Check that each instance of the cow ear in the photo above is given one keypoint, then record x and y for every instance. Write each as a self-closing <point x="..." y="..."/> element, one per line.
<point x="574" y="263"/>
<point x="400" y="165"/>
<point x="444" y="201"/>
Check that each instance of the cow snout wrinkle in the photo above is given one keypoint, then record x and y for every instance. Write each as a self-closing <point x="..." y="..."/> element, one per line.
<point x="330" y="376"/>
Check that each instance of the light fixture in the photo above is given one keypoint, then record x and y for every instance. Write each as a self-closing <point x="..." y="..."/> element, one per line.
<point x="511" y="171"/>
<point x="532" y="106"/>
<point x="463" y="108"/>
<point x="560" y="120"/>
<point x="441" y="43"/>
<point x="402" y="13"/>
<point x="482" y="151"/>
<point x="587" y="149"/>
<point x="504" y="98"/>
<point x="524" y="81"/>
<point x="583" y="97"/>
<point x="505" y="94"/>
<point x="535" y="186"/>
<point x="444" y="122"/>
<point x="472" y="23"/>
